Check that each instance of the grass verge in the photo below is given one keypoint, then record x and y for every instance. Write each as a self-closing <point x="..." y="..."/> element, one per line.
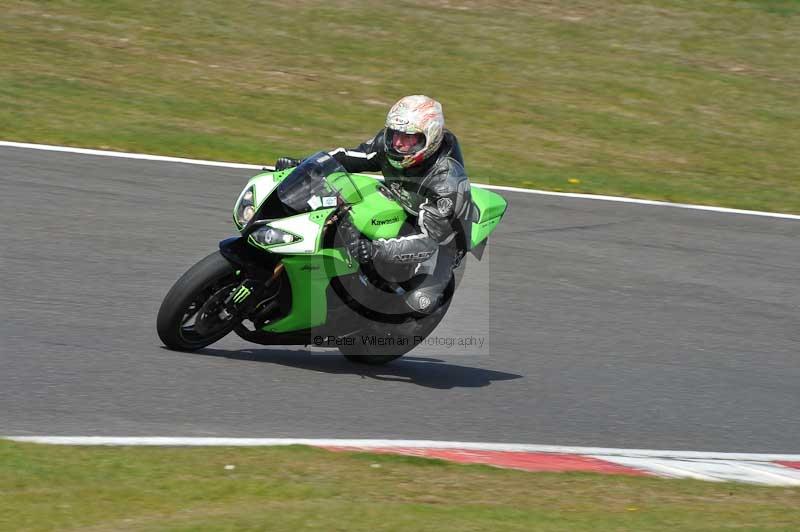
<point x="134" y="488"/>
<point x="668" y="99"/>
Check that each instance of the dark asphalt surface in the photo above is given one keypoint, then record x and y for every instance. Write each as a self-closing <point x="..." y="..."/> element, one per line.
<point x="607" y="324"/>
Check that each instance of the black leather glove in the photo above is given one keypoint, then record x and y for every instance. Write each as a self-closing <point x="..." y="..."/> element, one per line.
<point x="361" y="250"/>
<point x="286" y="162"/>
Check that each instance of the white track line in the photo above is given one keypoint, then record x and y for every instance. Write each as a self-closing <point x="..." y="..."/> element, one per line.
<point x="716" y="467"/>
<point x="160" y="158"/>
<point x="418" y="444"/>
<point x="124" y="155"/>
<point x="643" y="202"/>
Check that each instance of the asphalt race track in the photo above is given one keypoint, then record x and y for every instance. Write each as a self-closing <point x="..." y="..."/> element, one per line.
<point x="605" y="324"/>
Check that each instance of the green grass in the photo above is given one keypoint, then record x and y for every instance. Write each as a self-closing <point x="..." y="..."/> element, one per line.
<point x="669" y="99"/>
<point x="99" y="488"/>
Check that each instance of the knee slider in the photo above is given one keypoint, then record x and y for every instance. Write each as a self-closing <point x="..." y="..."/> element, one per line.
<point x="423" y="301"/>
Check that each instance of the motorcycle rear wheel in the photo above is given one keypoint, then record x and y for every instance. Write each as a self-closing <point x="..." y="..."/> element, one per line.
<point x="375" y="355"/>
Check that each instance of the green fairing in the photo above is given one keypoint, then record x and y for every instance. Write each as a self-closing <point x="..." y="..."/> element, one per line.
<point x="319" y="217"/>
<point x="481" y="231"/>
<point x="376" y="216"/>
<point x="309" y="276"/>
<point x="491" y="207"/>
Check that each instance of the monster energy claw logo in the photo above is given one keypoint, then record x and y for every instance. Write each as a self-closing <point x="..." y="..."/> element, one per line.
<point x="241" y="294"/>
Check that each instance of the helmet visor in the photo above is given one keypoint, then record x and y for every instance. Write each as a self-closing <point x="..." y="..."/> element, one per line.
<point x="404" y="143"/>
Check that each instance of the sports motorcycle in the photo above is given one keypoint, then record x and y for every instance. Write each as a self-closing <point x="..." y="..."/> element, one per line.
<point x="289" y="279"/>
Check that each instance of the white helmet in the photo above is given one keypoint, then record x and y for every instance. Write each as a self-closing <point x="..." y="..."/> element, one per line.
<point x="414" y="130"/>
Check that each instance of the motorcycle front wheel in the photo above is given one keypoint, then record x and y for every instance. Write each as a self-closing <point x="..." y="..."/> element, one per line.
<point x="191" y="316"/>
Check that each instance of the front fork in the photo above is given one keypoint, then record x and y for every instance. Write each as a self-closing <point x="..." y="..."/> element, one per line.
<point x="250" y="292"/>
<point x="257" y="281"/>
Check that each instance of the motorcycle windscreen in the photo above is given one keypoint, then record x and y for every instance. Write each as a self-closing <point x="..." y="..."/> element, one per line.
<point x="319" y="182"/>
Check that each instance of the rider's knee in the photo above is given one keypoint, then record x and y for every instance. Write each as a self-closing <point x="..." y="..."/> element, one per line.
<point x="424" y="300"/>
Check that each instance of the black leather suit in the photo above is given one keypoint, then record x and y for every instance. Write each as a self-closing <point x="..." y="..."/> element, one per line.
<point x="436" y="194"/>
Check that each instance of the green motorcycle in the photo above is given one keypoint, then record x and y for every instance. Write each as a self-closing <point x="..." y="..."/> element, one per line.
<point x="289" y="279"/>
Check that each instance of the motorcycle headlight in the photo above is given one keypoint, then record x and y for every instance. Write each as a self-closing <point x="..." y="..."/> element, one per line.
<point x="245" y="207"/>
<point x="269" y="236"/>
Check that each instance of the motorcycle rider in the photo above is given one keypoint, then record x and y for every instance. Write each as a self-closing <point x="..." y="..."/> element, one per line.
<point x="424" y="171"/>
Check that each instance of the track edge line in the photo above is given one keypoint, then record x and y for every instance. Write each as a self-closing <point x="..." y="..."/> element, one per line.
<point x="576" y="195"/>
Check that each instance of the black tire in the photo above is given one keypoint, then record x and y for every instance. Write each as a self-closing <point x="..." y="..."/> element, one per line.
<point x="194" y="288"/>
<point x="372" y="355"/>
